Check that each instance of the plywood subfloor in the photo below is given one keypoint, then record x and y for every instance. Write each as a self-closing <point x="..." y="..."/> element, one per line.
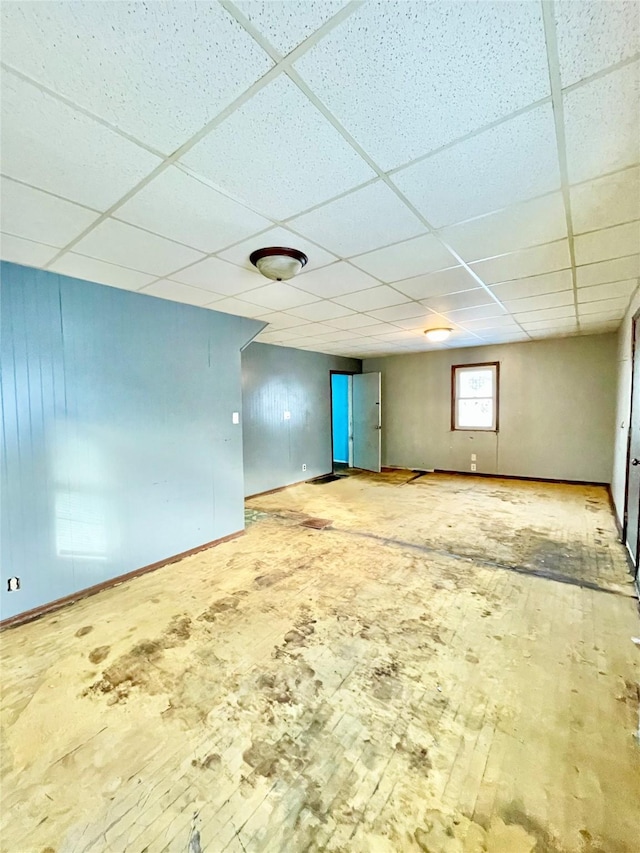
<point x="446" y="667"/>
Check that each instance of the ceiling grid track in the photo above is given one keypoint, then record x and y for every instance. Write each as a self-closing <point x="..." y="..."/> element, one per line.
<point x="548" y="17"/>
<point x="283" y="65"/>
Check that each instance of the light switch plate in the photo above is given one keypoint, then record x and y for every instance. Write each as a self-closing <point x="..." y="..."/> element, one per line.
<point x="287" y="416"/>
<point x="235" y="417"/>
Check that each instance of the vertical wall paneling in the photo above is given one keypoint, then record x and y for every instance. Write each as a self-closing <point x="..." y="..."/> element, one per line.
<point x="278" y="380"/>
<point x="118" y="443"/>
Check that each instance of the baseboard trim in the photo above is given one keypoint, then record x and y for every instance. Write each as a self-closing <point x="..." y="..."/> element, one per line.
<point x="282" y="488"/>
<point x="525" y="479"/>
<point x="50" y="607"/>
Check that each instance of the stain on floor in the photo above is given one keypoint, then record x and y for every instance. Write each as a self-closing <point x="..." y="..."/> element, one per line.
<point x="385" y="684"/>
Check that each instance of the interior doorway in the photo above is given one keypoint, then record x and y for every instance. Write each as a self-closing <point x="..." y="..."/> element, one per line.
<point x="355" y="421"/>
<point x="631" y="532"/>
<point x="341" y="421"/>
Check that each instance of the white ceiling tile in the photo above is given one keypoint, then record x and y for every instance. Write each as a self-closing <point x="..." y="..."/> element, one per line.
<point x="527" y="262"/>
<point x="131" y="247"/>
<point x="179" y="293"/>
<point x="278" y="237"/>
<point x="565" y="311"/>
<point x="279" y="153"/>
<point x="159" y="71"/>
<point x="220" y="277"/>
<point x="481" y="60"/>
<point x="17" y="250"/>
<point x="305" y="343"/>
<point x="427" y="319"/>
<point x="588" y="321"/>
<point x="533" y="285"/>
<point x="286" y="25"/>
<point x="605" y="306"/>
<point x="357" y="322"/>
<point x="336" y="335"/>
<point x="613" y="144"/>
<point x="594" y="35"/>
<point x="183" y="208"/>
<point x="366" y="219"/>
<point x="606" y="201"/>
<point x="384" y="328"/>
<point x="563" y="324"/>
<point x="504" y="322"/>
<point x="280" y="320"/>
<point x="607" y="243"/>
<point x="335" y="280"/>
<point x="502" y="336"/>
<point x="606" y="271"/>
<point x="50" y="145"/>
<point x="540" y="220"/>
<point x="279" y="335"/>
<point x="537" y="303"/>
<point x="230" y="305"/>
<point x="504" y="165"/>
<point x="323" y="310"/>
<point x="38" y="216"/>
<point x="278" y="296"/>
<point x="453" y="301"/>
<point x="402" y="335"/>
<point x="554" y="331"/>
<point x="399" y="312"/>
<point x="452" y="280"/>
<point x="312" y="330"/>
<point x="403" y="260"/>
<point x="476" y="312"/>
<point x="91" y="269"/>
<point x="608" y="291"/>
<point x="374" y="297"/>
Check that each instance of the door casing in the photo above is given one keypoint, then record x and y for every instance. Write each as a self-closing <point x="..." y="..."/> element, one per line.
<point x="634" y="380"/>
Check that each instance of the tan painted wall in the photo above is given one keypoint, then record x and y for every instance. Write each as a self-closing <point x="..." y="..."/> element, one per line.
<point x="557" y="409"/>
<point x="623" y="406"/>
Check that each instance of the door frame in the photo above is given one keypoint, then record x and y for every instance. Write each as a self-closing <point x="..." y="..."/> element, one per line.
<point x="625" y="519"/>
<point x="350" y="424"/>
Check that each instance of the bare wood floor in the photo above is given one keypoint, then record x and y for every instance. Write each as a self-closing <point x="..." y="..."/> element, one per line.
<point x="446" y="667"/>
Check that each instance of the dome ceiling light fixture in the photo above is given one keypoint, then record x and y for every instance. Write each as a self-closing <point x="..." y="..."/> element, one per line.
<point x="437" y="335"/>
<point x="278" y="262"/>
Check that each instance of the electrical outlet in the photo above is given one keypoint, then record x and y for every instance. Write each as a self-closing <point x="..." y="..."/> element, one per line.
<point x="474" y="458"/>
<point x="13" y="584"/>
<point x="235" y="418"/>
<point x="304" y="467"/>
<point x="287" y="416"/>
<point x="473" y="466"/>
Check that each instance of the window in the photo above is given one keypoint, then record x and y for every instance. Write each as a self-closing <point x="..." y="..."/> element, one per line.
<point x="474" y="396"/>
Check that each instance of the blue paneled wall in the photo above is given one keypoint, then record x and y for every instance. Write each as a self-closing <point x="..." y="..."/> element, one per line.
<point x="118" y="443"/>
<point x="276" y="380"/>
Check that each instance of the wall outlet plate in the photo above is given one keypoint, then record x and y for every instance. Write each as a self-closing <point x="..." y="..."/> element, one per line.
<point x="13" y="584"/>
<point x="474" y="457"/>
<point x="287" y="416"/>
<point x="473" y="466"/>
<point x="235" y="418"/>
<point x="304" y="467"/>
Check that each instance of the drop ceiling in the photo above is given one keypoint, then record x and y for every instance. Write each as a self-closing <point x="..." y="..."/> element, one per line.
<point x="472" y="165"/>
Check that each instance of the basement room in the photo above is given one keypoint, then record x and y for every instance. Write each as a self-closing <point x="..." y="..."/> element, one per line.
<point x="320" y="353"/>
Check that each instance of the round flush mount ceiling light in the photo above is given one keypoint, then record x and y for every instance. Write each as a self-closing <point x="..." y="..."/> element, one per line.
<point x="437" y="335"/>
<point x="278" y="262"/>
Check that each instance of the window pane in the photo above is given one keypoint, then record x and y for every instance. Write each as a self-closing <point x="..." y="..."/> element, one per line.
<point x="475" y="383"/>
<point x="475" y="413"/>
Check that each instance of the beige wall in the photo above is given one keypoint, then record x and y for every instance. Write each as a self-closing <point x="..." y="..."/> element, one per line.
<point x="622" y="407"/>
<point x="557" y="409"/>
